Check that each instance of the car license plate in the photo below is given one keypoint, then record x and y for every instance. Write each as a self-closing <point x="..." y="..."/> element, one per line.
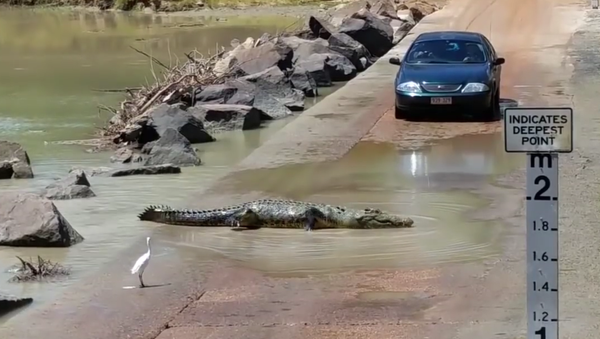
<point x="441" y="101"/>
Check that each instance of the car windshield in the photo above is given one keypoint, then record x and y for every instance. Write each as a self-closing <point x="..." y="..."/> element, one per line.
<point x="446" y="52"/>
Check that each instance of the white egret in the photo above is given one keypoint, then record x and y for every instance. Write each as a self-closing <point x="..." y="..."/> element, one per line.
<point x="141" y="264"/>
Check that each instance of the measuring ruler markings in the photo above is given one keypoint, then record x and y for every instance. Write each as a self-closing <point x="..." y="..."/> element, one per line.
<point x="542" y="133"/>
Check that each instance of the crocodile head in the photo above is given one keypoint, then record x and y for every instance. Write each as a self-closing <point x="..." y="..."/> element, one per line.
<point x="375" y="218"/>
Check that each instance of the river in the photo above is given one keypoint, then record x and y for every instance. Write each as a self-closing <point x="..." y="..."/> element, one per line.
<point x="50" y="62"/>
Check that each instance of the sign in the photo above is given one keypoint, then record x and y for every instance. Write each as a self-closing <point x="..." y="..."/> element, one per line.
<point x="538" y="129"/>
<point x="542" y="245"/>
<point x="542" y="133"/>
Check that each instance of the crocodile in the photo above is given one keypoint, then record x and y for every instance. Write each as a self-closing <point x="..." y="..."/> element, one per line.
<point x="271" y="213"/>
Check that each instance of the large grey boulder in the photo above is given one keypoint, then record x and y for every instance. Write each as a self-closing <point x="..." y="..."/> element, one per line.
<point x="343" y="44"/>
<point x="165" y="117"/>
<point x="13" y="153"/>
<point x="374" y="33"/>
<point x="228" y="117"/>
<point x="172" y="148"/>
<point x="27" y="219"/>
<point x="74" y="186"/>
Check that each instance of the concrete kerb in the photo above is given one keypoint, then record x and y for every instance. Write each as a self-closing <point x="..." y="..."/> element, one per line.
<point x="97" y="307"/>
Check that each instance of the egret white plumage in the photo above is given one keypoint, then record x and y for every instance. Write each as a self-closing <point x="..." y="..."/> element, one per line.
<point x="142" y="262"/>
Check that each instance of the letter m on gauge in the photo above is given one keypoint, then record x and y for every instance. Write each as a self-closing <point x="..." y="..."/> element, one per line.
<point x="538" y="130"/>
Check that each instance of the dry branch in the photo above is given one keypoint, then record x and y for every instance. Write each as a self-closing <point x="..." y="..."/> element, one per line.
<point x="197" y="72"/>
<point x="38" y="270"/>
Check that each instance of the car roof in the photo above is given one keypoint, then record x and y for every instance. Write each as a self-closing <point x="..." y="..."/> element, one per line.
<point x="450" y="35"/>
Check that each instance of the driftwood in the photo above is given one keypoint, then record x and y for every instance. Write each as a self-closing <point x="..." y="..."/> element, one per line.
<point x="39" y="270"/>
<point x="196" y="72"/>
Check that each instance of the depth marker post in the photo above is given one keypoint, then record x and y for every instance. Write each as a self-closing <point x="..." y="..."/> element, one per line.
<point x="542" y="133"/>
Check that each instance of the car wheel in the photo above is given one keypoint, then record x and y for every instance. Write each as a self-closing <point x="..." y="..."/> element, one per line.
<point x="493" y="112"/>
<point x="399" y="113"/>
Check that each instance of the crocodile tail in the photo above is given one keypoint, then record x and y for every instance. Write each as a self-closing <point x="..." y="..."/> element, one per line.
<point x="155" y="213"/>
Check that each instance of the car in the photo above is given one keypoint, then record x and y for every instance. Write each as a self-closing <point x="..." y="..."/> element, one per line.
<point x="449" y="72"/>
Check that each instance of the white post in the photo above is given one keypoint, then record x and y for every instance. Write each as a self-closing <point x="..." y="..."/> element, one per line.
<point x="542" y="133"/>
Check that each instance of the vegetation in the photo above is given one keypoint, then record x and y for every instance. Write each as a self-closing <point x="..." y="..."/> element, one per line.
<point x="38" y="270"/>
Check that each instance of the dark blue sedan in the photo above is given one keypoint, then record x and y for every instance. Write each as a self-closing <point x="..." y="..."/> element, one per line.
<point x="450" y="73"/>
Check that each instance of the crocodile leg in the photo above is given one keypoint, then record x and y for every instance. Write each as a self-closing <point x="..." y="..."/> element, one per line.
<point x="311" y="215"/>
<point x="247" y="219"/>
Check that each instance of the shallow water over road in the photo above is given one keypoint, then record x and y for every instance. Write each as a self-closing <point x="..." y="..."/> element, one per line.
<point x="421" y="184"/>
<point x="50" y="61"/>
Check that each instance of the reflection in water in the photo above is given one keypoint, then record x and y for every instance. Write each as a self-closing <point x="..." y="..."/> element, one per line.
<point x="370" y="175"/>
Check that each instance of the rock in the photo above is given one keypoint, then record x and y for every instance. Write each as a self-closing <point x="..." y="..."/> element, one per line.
<point x="384" y="8"/>
<point x="147" y="148"/>
<point x="216" y="93"/>
<point x="405" y="15"/>
<point x="173" y="148"/>
<point x="318" y="70"/>
<point x="6" y="170"/>
<point x="258" y="59"/>
<point x="339" y="14"/>
<point x="266" y="37"/>
<point x="320" y="28"/>
<point x="74" y="186"/>
<point x="125" y="155"/>
<point x="302" y="80"/>
<point x="10" y="303"/>
<point x="26" y="219"/>
<point x="370" y="31"/>
<point x="272" y="74"/>
<point x="303" y="48"/>
<point x="401" y="29"/>
<point x="14" y="154"/>
<point x="248" y="43"/>
<point x="145" y="170"/>
<point x="241" y="98"/>
<point x="340" y="68"/>
<point x="22" y="170"/>
<point x="229" y="117"/>
<point x="226" y="64"/>
<point x="165" y="117"/>
<point x="421" y="8"/>
<point x="343" y="44"/>
<point x="268" y="98"/>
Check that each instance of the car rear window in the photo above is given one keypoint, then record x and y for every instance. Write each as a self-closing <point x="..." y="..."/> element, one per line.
<point x="446" y="51"/>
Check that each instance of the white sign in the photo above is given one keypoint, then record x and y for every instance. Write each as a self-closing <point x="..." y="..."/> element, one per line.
<point x="538" y="129"/>
<point x="542" y="246"/>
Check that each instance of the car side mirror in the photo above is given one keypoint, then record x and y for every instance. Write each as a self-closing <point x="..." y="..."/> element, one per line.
<point x="395" y="61"/>
<point x="499" y="61"/>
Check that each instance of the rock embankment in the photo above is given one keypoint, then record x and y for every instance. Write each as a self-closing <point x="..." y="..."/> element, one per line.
<point x="257" y="80"/>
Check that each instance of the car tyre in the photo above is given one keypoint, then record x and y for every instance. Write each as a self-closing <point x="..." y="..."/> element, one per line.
<point x="493" y="112"/>
<point x="399" y="113"/>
